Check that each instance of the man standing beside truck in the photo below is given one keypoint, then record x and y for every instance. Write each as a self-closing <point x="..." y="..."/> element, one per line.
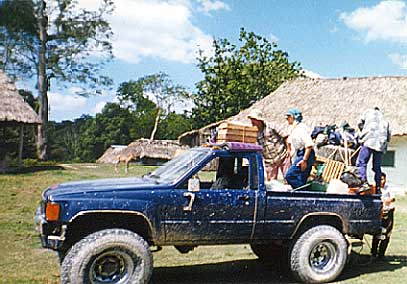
<point x="379" y="246"/>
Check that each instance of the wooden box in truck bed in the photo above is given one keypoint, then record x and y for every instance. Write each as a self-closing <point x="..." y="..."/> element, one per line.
<point x="229" y="132"/>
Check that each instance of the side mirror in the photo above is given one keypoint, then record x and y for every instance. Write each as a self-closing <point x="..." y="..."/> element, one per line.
<point x="193" y="184"/>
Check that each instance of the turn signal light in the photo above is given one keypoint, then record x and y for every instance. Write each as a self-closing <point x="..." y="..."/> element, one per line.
<point x="52" y="211"/>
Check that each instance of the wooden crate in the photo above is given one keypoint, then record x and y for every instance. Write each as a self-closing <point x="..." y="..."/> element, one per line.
<point x="332" y="170"/>
<point x="230" y="132"/>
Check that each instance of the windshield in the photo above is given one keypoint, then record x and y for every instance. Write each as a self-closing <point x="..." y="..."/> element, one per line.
<point x="177" y="167"/>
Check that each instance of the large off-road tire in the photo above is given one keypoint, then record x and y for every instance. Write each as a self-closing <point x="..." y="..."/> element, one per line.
<point x="110" y="256"/>
<point x="319" y="255"/>
<point x="271" y="252"/>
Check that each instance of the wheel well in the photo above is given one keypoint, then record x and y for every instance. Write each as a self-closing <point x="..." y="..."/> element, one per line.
<point x="89" y="223"/>
<point x="316" y="220"/>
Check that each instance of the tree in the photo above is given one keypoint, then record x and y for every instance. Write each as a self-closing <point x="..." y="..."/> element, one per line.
<point x="158" y="88"/>
<point x="55" y="41"/>
<point x="236" y="77"/>
<point x="173" y="126"/>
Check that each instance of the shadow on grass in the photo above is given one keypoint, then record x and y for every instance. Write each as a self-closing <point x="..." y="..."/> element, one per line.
<point x="256" y="272"/>
<point x="25" y="170"/>
<point x="361" y="264"/>
<point x="240" y="272"/>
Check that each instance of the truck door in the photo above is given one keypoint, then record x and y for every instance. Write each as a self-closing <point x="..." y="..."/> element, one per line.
<point x="225" y="211"/>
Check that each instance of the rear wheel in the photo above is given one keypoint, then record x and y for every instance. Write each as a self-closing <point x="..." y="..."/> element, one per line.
<point x="319" y="255"/>
<point x="113" y="256"/>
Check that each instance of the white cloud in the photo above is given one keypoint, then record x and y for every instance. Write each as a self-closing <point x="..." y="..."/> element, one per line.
<point x="71" y="105"/>
<point x="98" y="107"/>
<point x="311" y="74"/>
<point x="155" y="28"/>
<point x="385" y="21"/>
<point x="399" y="59"/>
<point x="210" y="5"/>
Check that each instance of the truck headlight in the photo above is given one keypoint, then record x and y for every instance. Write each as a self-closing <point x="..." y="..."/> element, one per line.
<point x="52" y="211"/>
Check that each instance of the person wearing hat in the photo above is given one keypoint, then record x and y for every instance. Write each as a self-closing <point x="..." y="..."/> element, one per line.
<point x="300" y="145"/>
<point x="272" y="139"/>
<point x="257" y="119"/>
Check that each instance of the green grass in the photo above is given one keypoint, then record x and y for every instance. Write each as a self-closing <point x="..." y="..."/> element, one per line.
<point x="22" y="260"/>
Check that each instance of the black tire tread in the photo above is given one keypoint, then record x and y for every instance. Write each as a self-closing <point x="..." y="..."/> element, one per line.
<point x="295" y="255"/>
<point x="88" y="240"/>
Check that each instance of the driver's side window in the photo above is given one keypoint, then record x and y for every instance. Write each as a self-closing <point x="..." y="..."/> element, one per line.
<point x="226" y="173"/>
<point x="207" y="175"/>
<point x="231" y="172"/>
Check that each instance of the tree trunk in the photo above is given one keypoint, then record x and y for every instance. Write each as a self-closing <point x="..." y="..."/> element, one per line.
<point x="157" y="119"/>
<point x="42" y="84"/>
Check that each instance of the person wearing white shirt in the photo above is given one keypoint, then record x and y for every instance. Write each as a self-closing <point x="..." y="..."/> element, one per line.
<point x="374" y="136"/>
<point x="300" y="145"/>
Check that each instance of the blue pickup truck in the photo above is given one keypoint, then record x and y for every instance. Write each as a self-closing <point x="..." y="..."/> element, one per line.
<point x="105" y="230"/>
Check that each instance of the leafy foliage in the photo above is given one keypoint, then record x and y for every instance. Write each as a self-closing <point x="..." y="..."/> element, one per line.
<point x="54" y="40"/>
<point x="86" y="138"/>
<point x="73" y="36"/>
<point x="17" y="34"/>
<point x="236" y="77"/>
<point x="152" y="93"/>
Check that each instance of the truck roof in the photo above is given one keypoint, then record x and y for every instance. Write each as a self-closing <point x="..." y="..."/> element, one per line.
<point x="235" y="147"/>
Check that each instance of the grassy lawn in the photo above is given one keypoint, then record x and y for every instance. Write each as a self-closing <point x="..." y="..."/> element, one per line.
<point x="23" y="261"/>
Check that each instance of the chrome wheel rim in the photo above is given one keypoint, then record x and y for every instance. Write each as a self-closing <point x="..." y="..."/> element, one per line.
<point x="113" y="267"/>
<point x="322" y="256"/>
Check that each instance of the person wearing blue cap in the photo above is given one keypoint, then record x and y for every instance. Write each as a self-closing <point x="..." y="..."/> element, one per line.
<point x="300" y="145"/>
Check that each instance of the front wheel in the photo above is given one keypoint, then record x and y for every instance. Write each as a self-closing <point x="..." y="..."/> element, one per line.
<point x="113" y="256"/>
<point x="319" y="255"/>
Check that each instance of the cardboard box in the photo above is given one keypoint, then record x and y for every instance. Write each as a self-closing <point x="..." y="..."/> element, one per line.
<point x="230" y="132"/>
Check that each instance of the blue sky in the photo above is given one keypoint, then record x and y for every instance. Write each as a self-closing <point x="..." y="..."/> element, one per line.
<point x="332" y="38"/>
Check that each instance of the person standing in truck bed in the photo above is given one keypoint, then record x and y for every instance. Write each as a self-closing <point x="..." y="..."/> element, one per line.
<point x="374" y="137"/>
<point x="301" y="148"/>
<point x="273" y="140"/>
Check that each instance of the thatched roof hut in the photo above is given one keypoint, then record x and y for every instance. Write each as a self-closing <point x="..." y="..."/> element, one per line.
<point x="13" y="109"/>
<point x="111" y="154"/>
<point x="157" y="150"/>
<point x="333" y="101"/>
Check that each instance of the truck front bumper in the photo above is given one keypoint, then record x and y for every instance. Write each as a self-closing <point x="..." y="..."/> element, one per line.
<point x="52" y="234"/>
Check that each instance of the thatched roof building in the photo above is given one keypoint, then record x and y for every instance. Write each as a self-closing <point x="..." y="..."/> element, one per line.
<point x="13" y="109"/>
<point x="333" y="101"/>
<point x="143" y="149"/>
<point x="110" y="155"/>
